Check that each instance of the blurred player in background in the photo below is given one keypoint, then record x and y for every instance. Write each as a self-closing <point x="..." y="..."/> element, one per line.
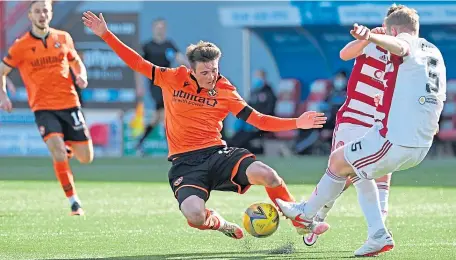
<point x="406" y="119"/>
<point x="196" y="102"/>
<point x="160" y="51"/>
<point x="44" y="57"/>
<point x="356" y="116"/>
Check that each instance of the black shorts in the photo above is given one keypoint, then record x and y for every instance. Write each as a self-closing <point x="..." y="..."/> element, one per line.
<point x="157" y="96"/>
<point x="215" y="168"/>
<point x="68" y="123"/>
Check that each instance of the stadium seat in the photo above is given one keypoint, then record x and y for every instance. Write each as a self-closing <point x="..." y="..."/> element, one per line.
<point x="448" y="119"/>
<point x="287" y="104"/>
<point x="100" y="134"/>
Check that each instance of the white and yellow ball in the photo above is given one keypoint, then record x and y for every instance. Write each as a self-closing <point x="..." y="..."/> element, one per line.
<point x="261" y="220"/>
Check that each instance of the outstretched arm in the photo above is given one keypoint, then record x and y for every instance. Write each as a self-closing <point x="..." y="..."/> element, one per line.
<point x="128" y="55"/>
<point x="307" y="120"/>
<point x="264" y="122"/>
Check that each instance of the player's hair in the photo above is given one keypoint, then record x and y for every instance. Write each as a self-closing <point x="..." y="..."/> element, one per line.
<point x="159" y="20"/>
<point x="405" y="17"/>
<point x="393" y="8"/>
<point x="33" y="2"/>
<point x="202" y="52"/>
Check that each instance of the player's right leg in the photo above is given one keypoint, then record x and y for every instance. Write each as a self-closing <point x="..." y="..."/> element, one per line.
<point x="51" y="130"/>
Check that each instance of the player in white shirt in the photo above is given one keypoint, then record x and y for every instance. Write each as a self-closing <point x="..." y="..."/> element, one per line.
<point x="406" y="122"/>
<point x="356" y="116"/>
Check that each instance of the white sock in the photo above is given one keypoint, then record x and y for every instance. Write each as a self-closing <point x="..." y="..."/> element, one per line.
<point x="323" y="213"/>
<point x="74" y="199"/>
<point x="368" y="200"/>
<point x="327" y="190"/>
<point x="383" y="194"/>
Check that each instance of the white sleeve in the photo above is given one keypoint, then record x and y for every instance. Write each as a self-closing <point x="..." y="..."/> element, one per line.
<point x="411" y="40"/>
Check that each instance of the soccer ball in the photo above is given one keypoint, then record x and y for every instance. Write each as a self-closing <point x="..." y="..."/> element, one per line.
<point x="261" y="220"/>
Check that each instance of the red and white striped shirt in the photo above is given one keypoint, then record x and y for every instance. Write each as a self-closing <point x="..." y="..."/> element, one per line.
<point x="366" y="80"/>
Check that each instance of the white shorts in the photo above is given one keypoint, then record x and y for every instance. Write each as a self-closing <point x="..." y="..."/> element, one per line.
<point x="346" y="133"/>
<point x="373" y="156"/>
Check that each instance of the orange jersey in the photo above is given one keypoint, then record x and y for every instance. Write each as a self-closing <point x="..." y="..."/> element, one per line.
<point x="193" y="116"/>
<point x="45" y="69"/>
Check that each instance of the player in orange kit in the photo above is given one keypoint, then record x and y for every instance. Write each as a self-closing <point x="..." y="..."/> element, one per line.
<point x="196" y="101"/>
<point x="44" y="57"/>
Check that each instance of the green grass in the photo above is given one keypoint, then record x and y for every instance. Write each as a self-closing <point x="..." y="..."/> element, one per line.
<point x="132" y="214"/>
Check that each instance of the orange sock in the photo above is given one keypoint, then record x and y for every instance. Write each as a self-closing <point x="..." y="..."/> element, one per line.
<point x="211" y="222"/>
<point x="281" y="192"/>
<point x="65" y="176"/>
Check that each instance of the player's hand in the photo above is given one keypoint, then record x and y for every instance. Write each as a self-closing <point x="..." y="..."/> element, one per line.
<point x="360" y="32"/>
<point x="96" y="23"/>
<point x="311" y="119"/>
<point x="81" y="82"/>
<point x="379" y="30"/>
<point x="5" y="104"/>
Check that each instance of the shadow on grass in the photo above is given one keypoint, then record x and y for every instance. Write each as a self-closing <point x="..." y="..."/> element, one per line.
<point x="284" y="252"/>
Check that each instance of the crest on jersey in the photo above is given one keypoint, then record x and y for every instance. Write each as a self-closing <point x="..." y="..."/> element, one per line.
<point x="57" y="45"/>
<point x="33" y="49"/>
<point x="178" y="181"/>
<point x="212" y="92"/>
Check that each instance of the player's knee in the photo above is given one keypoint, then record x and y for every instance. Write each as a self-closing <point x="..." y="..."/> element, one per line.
<point x="337" y="163"/>
<point x="261" y="174"/>
<point x="194" y="211"/>
<point x="196" y="218"/>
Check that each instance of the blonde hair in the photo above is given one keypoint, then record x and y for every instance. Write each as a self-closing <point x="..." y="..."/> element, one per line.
<point x="393" y="8"/>
<point x="405" y="17"/>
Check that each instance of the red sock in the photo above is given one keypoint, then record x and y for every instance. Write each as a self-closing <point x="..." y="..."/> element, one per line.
<point x="281" y="192"/>
<point x="65" y="176"/>
<point x="211" y="222"/>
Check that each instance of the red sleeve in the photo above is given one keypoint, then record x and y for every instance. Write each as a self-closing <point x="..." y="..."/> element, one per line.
<point x="261" y="121"/>
<point x="128" y="55"/>
<point x="14" y="56"/>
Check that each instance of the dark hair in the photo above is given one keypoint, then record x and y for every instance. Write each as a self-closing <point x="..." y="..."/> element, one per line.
<point x="202" y="52"/>
<point x="159" y="20"/>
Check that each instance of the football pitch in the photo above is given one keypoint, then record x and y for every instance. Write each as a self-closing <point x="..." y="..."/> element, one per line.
<point x="131" y="214"/>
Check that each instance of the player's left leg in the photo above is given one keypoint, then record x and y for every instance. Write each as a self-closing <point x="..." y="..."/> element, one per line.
<point x="383" y="185"/>
<point x="82" y="150"/>
<point x="191" y="184"/>
<point x="77" y="138"/>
